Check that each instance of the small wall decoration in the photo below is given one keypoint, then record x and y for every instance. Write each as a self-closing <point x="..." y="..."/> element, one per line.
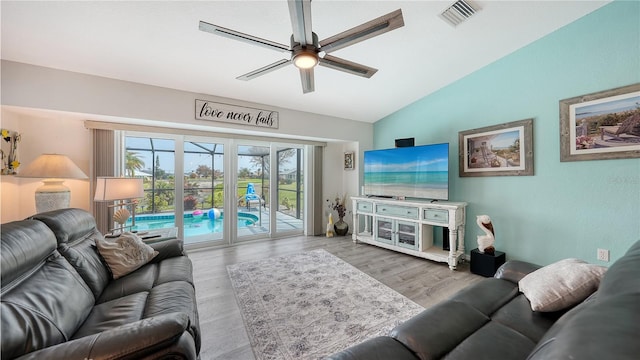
<point x="349" y="160"/>
<point x="212" y="111"/>
<point x="499" y="150"/>
<point x="9" y="152"/>
<point x="602" y="125"/>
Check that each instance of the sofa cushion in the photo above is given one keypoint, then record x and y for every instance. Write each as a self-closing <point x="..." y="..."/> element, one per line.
<point x="25" y="245"/>
<point x="67" y="224"/>
<point x="84" y="257"/>
<point x="487" y="295"/>
<point x="623" y="276"/>
<point x="493" y="341"/>
<point x="45" y="309"/>
<point x="44" y="300"/>
<point x="439" y="329"/>
<point x="125" y="253"/>
<point x="517" y="315"/>
<point x="561" y="284"/>
<point x="148" y="276"/>
<point x="112" y="314"/>
<point x="76" y="234"/>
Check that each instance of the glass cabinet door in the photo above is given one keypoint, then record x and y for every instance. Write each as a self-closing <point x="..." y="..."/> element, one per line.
<point x="384" y="230"/>
<point x="407" y="235"/>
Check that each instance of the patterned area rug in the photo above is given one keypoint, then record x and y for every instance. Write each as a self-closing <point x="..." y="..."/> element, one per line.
<point x="313" y="304"/>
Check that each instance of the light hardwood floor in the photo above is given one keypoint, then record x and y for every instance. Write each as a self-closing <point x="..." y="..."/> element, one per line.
<point x="223" y="332"/>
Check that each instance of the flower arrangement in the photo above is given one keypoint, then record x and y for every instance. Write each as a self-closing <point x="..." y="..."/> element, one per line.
<point x="11" y="164"/>
<point x="338" y="204"/>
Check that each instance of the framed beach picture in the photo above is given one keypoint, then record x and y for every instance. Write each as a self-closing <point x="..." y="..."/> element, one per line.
<point x="602" y="125"/>
<point x="349" y="161"/>
<point x="499" y="150"/>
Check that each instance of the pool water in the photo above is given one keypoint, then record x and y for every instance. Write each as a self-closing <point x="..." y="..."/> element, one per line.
<point x="193" y="225"/>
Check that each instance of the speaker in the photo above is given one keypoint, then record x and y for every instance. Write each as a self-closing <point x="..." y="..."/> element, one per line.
<point x="407" y="142"/>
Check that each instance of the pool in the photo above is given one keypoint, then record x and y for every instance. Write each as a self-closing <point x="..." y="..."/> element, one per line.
<point x="193" y="225"/>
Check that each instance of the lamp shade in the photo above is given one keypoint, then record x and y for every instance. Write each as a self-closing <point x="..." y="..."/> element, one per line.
<point x="118" y="188"/>
<point x="53" y="166"/>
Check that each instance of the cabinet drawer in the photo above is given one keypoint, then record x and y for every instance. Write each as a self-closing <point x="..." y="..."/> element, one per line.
<point x="441" y="216"/>
<point x="365" y="207"/>
<point x="399" y="211"/>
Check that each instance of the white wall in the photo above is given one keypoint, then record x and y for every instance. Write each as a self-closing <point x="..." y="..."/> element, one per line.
<point x="44" y="134"/>
<point x="69" y="98"/>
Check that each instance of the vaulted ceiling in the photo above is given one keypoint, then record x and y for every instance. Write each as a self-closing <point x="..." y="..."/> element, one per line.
<point x="159" y="43"/>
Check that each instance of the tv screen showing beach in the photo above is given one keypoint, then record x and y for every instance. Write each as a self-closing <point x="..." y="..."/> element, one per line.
<point x="414" y="172"/>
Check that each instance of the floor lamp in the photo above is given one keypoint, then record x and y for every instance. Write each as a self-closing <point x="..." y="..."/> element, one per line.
<point x="54" y="168"/>
<point x="123" y="190"/>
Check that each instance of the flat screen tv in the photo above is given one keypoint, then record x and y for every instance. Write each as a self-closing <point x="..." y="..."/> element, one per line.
<point x="411" y="172"/>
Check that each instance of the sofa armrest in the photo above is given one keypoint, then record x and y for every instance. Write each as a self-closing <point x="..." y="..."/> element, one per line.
<point x="167" y="249"/>
<point x="136" y="340"/>
<point x="514" y="270"/>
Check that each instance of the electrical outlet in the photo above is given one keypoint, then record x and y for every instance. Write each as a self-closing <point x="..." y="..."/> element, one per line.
<point x="603" y="255"/>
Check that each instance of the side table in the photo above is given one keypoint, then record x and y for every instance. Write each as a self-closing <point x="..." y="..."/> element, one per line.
<point x="157" y="235"/>
<point x="486" y="264"/>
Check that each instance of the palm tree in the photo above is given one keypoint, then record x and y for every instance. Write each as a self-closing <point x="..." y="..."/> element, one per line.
<point x="132" y="163"/>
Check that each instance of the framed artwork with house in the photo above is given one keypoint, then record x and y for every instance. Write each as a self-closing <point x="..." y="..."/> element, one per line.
<point x="498" y="150"/>
<point x="602" y="125"/>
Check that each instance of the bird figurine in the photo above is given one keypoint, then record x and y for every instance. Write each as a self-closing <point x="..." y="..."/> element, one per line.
<point x="485" y="242"/>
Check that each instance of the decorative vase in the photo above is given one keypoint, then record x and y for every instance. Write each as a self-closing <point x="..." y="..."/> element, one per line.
<point x="341" y="228"/>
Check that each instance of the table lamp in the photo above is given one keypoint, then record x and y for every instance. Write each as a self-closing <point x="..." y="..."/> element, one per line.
<point x="121" y="189"/>
<point x="54" y="168"/>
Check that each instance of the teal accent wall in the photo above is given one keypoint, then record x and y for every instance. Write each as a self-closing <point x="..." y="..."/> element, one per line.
<point x="566" y="209"/>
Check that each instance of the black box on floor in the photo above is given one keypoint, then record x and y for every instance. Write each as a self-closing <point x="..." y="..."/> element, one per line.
<point x="486" y="264"/>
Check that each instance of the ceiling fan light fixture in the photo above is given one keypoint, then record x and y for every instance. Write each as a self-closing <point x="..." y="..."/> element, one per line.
<point x="305" y="60"/>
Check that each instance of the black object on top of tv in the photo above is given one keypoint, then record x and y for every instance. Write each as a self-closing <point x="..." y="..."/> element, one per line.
<point x="406" y="142"/>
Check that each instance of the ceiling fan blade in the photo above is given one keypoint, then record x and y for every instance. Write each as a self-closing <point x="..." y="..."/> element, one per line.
<point x="308" y="85"/>
<point x="375" y="27"/>
<point x="300" y="13"/>
<point x="347" y="66"/>
<point x="264" y="70"/>
<point x="236" y="35"/>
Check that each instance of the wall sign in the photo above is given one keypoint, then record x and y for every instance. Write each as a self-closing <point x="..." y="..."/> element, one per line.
<point x="213" y="111"/>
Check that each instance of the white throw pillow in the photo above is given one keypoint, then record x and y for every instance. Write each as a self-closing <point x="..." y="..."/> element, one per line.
<point x="561" y="284"/>
<point x="125" y="253"/>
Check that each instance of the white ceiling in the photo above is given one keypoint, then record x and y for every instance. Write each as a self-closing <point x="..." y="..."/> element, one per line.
<point x="158" y="43"/>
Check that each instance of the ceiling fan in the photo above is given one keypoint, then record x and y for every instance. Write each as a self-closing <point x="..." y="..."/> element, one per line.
<point x="306" y="51"/>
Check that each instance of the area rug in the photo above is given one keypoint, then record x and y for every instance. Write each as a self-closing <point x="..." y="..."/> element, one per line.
<point x="312" y="304"/>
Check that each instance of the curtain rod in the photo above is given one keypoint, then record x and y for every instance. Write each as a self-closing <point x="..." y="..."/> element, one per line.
<point x="103" y="125"/>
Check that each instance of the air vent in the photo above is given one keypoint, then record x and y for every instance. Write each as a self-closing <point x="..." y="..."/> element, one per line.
<point x="458" y="12"/>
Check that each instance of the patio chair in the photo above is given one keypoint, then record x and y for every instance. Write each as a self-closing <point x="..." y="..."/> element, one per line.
<point x="251" y="195"/>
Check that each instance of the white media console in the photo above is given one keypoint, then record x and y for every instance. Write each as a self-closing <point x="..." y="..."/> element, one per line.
<point x="407" y="226"/>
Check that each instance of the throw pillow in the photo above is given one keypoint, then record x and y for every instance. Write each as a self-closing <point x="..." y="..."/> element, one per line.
<point x="125" y="253"/>
<point x="561" y="284"/>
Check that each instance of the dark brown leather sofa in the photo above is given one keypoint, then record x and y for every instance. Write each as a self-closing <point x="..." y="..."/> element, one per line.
<point x="59" y="300"/>
<point x="493" y="320"/>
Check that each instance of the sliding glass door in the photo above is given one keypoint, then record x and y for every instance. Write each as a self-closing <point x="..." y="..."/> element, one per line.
<point x="289" y="190"/>
<point x="252" y="194"/>
<point x="217" y="191"/>
<point x="203" y="193"/>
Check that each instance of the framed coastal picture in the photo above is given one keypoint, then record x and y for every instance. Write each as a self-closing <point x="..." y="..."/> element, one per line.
<point x="349" y="161"/>
<point x="602" y="125"/>
<point x="499" y="150"/>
